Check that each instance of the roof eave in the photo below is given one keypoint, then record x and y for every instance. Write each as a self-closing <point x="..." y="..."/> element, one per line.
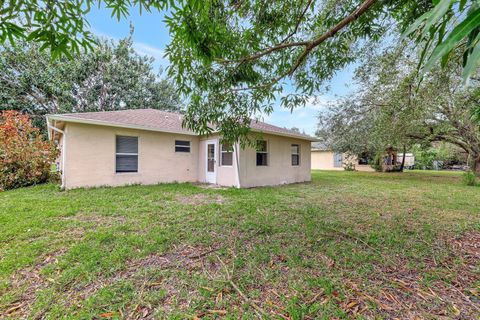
<point x="115" y="124"/>
<point x="300" y="137"/>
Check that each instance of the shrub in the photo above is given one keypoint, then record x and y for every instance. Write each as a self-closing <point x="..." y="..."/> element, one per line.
<point x="376" y="164"/>
<point x="349" y="163"/>
<point x="26" y="158"/>
<point x="349" y="166"/>
<point x="469" y="178"/>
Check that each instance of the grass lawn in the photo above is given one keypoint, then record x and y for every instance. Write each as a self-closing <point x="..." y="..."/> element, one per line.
<point x="346" y="245"/>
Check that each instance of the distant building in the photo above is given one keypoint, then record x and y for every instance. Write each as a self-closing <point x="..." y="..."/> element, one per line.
<point x="323" y="158"/>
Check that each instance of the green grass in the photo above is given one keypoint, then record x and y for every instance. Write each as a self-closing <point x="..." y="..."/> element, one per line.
<point x="346" y="245"/>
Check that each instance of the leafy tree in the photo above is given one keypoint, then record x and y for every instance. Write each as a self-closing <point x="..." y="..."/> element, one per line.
<point x="111" y="77"/>
<point x="232" y="57"/>
<point x="446" y="153"/>
<point x="241" y="56"/>
<point x="394" y="108"/>
<point x="25" y="157"/>
<point x="449" y="25"/>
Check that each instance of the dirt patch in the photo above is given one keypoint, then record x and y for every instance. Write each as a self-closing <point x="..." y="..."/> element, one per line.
<point x="468" y="245"/>
<point x="96" y="219"/>
<point x="145" y="277"/>
<point x="211" y="186"/>
<point x="402" y="292"/>
<point x="29" y="281"/>
<point x="201" y="199"/>
<point x="186" y="258"/>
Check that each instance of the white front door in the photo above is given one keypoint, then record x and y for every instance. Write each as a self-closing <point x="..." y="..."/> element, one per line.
<point x="211" y="174"/>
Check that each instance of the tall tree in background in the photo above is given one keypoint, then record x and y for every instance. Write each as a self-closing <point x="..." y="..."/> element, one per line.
<point x="392" y="107"/>
<point x="111" y="77"/>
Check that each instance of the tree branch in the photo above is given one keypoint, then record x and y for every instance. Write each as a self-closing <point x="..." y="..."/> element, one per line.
<point x="442" y="137"/>
<point x="309" y="45"/>
<point x="299" y="21"/>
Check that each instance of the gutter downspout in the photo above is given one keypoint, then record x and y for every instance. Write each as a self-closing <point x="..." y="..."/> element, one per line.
<point x="237" y="159"/>
<point x="62" y="150"/>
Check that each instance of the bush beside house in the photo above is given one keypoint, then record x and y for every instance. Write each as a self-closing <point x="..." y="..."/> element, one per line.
<point x="26" y="158"/>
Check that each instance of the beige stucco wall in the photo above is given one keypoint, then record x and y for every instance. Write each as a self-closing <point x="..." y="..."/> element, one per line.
<point x="279" y="169"/>
<point x="90" y="157"/>
<point x="225" y="175"/>
<point x="89" y="152"/>
<point x="324" y="160"/>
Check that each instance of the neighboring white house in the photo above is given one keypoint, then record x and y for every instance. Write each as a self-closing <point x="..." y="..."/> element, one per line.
<point x="148" y="146"/>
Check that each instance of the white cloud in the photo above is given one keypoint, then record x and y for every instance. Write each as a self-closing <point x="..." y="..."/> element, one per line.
<point x="148" y="50"/>
<point x="319" y="103"/>
<point x="141" y="48"/>
<point x="305" y="118"/>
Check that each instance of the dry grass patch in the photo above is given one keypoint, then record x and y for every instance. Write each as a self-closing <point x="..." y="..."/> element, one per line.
<point x="201" y="199"/>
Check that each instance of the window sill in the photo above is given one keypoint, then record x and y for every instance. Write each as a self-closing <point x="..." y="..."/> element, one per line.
<point x="126" y="173"/>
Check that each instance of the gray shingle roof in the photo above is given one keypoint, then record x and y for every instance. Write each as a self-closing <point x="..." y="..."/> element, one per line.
<point x="148" y="118"/>
<point x="320" y="145"/>
<point x="158" y="120"/>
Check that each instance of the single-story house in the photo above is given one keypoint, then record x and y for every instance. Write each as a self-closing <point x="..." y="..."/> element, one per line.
<point x="147" y="146"/>
<point x="324" y="158"/>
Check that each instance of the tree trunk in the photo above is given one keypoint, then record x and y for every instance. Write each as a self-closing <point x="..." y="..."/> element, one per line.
<point x="474" y="163"/>
<point x="476" y="166"/>
<point x="402" y="166"/>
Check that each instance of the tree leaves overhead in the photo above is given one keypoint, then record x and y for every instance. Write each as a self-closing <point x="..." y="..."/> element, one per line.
<point x="235" y="60"/>
<point x="450" y="25"/>
<point x="61" y="25"/>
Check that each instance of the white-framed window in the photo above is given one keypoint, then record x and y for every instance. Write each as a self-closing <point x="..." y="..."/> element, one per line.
<point x="126" y="154"/>
<point x="182" y="146"/>
<point x="262" y="153"/>
<point x="226" y="154"/>
<point x="295" y="154"/>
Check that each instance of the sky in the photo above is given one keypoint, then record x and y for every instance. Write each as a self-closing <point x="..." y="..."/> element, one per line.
<point x="151" y="36"/>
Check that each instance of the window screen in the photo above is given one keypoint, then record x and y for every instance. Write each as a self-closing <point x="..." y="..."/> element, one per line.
<point x="295" y="155"/>
<point x="226" y="154"/>
<point x="262" y="153"/>
<point x="182" y="146"/>
<point x="126" y="154"/>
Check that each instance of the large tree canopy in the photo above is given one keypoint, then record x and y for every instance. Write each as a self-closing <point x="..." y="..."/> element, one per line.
<point x="232" y="59"/>
<point x="235" y="59"/>
<point x="111" y="77"/>
<point x="393" y="107"/>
